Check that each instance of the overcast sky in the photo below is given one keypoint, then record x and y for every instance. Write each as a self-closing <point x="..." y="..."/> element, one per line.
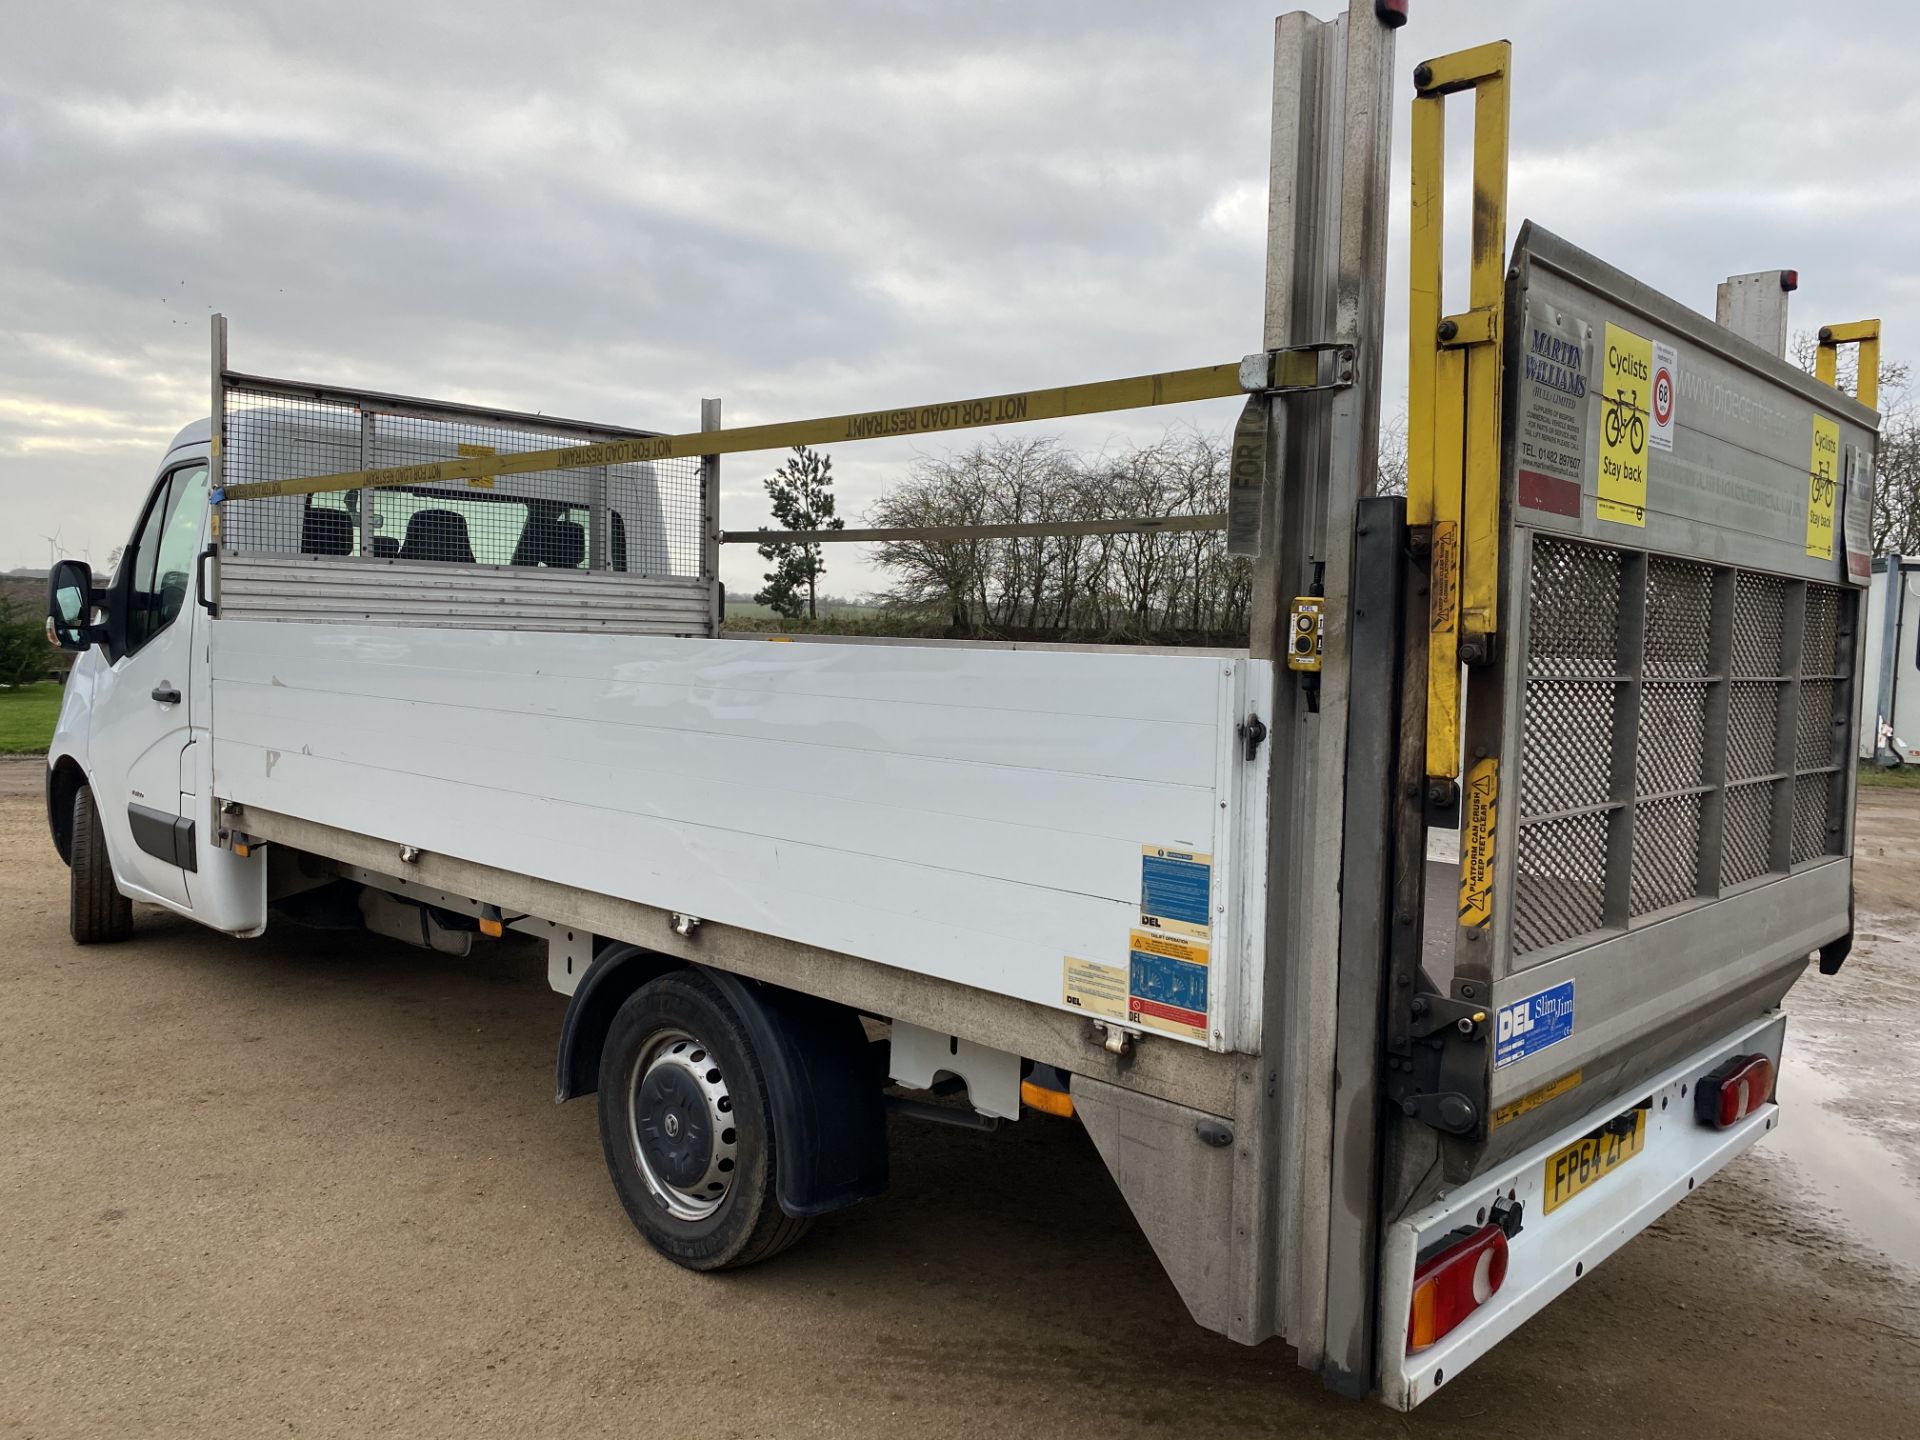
<point x="608" y="211"/>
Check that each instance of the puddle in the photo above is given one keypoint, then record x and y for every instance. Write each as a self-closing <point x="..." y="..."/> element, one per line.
<point x="1867" y="1194"/>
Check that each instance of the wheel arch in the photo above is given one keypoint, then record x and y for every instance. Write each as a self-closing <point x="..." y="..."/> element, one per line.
<point x="828" y="1117"/>
<point x="617" y="971"/>
<point x="64" y="780"/>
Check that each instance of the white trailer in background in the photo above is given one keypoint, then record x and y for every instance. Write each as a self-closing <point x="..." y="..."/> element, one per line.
<point x="439" y="672"/>
<point x="1890" y="694"/>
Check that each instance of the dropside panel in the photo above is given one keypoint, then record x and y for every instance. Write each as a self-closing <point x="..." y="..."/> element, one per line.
<point x="1062" y="827"/>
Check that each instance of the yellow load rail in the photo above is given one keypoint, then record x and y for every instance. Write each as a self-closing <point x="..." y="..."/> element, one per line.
<point x="1172" y="387"/>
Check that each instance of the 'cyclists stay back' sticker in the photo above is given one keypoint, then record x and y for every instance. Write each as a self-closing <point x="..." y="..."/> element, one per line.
<point x="1822" y="486"/>
<point x="1626" y="391"/>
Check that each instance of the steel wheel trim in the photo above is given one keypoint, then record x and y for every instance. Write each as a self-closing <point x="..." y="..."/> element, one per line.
<point x="680" y="1123"/>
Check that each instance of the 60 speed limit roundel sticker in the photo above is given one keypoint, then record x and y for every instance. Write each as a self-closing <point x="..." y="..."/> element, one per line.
<point x="1666" y="370"/>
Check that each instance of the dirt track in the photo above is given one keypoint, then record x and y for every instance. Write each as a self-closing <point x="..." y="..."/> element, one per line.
<point x="306" y="1187"/>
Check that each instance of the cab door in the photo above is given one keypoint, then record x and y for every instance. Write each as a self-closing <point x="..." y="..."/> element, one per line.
<point x="143" y="704"/>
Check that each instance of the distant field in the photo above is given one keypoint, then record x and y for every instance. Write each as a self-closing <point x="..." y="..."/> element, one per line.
<point x="27" y="716"/>
<point x="1901" y="777"/>
<point x="749" y="610"/>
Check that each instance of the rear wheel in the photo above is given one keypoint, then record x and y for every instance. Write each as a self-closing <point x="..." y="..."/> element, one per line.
<point x="687" y="1129"/>
<point x="96" y="910"/>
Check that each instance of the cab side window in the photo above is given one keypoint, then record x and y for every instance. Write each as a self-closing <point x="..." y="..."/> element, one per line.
<point x="164" y="552"/>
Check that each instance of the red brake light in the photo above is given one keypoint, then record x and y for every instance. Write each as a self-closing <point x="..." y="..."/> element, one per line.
<point x="1450" y="1286"/>
<point x="1733" y="1090"/>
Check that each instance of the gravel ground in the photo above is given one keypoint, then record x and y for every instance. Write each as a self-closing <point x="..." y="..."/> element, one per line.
<point x="310" y="1185"/>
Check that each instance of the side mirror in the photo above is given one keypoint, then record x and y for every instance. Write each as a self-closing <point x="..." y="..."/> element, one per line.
<point x="70" y="606"/>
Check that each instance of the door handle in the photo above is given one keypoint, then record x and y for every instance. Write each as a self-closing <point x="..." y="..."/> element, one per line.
<point x="166" y="694"/>
<point x="206" y="602"/>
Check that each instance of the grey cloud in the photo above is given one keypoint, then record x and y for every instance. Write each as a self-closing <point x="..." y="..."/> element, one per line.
<point x="609" y="210"/>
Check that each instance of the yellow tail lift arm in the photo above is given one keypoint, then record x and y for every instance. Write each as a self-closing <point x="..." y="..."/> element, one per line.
<point x="1826" y="360"/>
<point x="1453" y="386"/>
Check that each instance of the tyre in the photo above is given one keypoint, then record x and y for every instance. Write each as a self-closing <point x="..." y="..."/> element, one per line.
<point x="687" y="1129"/>
<point x="96" y="910"/>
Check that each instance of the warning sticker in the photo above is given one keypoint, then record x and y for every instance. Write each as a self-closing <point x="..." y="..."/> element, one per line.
<point x="1481" y="794"/>
<point x="1551" y="429"/>
<point x="1176" y="890"/>
<point x="1666" y="383"/>
<point x="1823" y="485"/>
<point x="1526" y="1027"/>
<point x="1095" y="988"/>
<point x="1168" y="947"/>
<point x="1626" y="389"/>
<point x="1534" y="1099"/>
<point x="1167" y="983"/>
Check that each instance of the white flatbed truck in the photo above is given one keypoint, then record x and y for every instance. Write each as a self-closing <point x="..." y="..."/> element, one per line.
<point x="441" y="672"/>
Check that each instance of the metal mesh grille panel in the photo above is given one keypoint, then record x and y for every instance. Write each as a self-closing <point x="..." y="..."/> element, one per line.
<point x="1820" y="641"/>
<point x="1574" y="625"/>
<point x="1568" y="745"/>
<point x="1813" y="743"/>
<point x="1759" y="608"/>
<point x="270" y="436"/>
<point x="1673" y="736"/>
<point x="1572" y="705"/>
<point x="1559" y="888"/>
<point x="1666" y="852"/>
<point x="1753" y="709"/>
<point x="1747" y="836"/>
<point x="1648" y="652"/>
<point x="1679" y="619"/>
<point x="1812" y="795"/>
<point x="644" y="518"/>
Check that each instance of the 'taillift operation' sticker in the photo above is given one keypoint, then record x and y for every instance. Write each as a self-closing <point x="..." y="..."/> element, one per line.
<point x="1167" y="983"/>
<point x="1176" y="890"/>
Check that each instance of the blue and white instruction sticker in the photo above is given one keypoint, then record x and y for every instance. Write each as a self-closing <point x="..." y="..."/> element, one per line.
<point x="1526" y="1027"/>
<point x="1176" y="890"/>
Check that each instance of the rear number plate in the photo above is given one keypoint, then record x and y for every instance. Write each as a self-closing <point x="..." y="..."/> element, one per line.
<point x="1587" y="1162"/>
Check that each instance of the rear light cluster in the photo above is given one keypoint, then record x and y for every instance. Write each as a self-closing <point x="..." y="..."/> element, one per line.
<point x="1451" y="1285"/>
<point x="1733" y="1090"/>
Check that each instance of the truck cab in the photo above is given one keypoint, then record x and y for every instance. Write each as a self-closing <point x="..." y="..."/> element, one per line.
<point x="129" y="769"/>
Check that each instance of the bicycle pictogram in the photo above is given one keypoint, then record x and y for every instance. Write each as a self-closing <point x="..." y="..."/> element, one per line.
<point x="1624" y="418"/>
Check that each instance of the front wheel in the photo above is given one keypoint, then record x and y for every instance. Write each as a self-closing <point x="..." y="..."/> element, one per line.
<point x="687" y="1129"/>
<point x="96" y="910"/>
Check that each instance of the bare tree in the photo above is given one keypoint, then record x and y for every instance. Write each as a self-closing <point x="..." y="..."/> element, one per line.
<point x="1132" y="585"/>
<point x="1390" y="469"/>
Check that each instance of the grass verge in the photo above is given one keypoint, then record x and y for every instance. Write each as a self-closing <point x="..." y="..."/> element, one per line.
<point x="27" y="716"/>
<point x="1901" y="777"/>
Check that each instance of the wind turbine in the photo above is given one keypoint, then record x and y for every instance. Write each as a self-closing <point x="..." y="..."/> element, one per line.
<point x="53" y="545"/>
